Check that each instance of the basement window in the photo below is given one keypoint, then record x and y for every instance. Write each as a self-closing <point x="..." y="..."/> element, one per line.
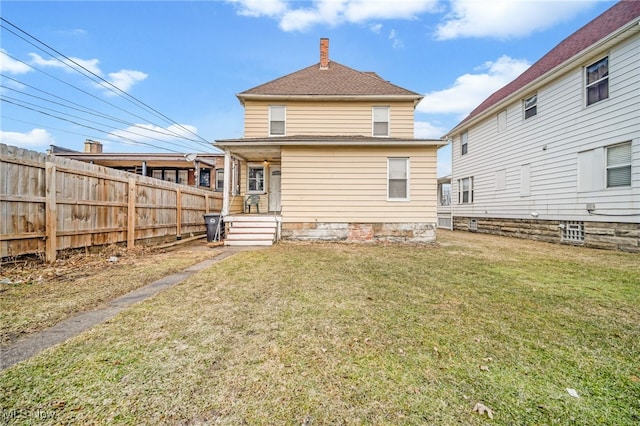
<point x="572" y="231"/>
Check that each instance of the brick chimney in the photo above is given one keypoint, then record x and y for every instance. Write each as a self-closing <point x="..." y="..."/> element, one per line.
<point x="92" y="147"/>
<point x="324" y="53"/>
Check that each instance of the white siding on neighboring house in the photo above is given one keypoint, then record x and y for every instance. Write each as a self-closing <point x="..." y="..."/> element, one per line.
<point x="554" y="162"/>
<point x="337" y="184"/>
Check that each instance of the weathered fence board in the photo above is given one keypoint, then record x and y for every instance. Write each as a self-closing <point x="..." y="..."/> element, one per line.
<point x="49" y="203"/>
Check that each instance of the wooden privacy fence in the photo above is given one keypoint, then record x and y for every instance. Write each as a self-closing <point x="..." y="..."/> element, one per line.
<point x="49" y="203"/>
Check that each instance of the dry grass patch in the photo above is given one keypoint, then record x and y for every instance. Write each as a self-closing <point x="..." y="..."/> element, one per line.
<point x="35" y="295"/>
<point x="361" y="334"/>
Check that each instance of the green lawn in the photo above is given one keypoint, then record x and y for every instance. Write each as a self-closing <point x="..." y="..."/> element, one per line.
<point x="360" y="334"/>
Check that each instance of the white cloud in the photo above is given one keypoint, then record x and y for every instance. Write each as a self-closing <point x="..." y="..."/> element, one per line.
<point x="257" y="8"/>
<point x="123" y="80"/>
<point x="36" y="138"/>
<point x="376" y="28"/>
<point x="67" y="65"/>
<point x="333" y="12"/>
<point x="469" y="90"/>
<point x="505" y="18"/>
<point x="10" y="65"/>
<point x="426" y="130"/>
<point x="397" y="43"/>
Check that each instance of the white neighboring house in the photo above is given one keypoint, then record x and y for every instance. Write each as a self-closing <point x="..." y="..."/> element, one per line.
<point x="555" y="154"/>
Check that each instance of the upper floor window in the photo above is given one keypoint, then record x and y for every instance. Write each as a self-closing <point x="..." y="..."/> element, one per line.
<point x="597" y="79"/>
<point x="277" y="116"/>
<point x="530" y="106"/>
<point x="255" y="178"/>
<point x="464" y="143"/>
<point x="380" y="121"/>
<point x="465" y="190"/>
<point x="205" y="178"/>
<point x="398" y="179"/>
<point x="619" y="165"/>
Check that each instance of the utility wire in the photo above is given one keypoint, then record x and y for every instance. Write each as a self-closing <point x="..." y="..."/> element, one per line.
<point x="86" y="110"/>
<point x="111" y="85"/>
<point x="207" y="145"/>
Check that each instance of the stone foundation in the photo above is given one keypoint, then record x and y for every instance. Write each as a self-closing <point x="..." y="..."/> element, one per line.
<point x="360" y="232"/>
<point x="602" y="235"/>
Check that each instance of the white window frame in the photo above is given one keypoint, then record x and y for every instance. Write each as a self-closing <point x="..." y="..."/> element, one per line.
<point x="406" y="178"/>
<point x="530" y="104"/>
<point x="256" y="166"/>
<point x="272" y="109"/>
<point x="464" y="143"/>
<point x="617" y="166"/>
<point x="219" y="180"/>
<point x="595" y="83"/>
<point x="374" y="121"/>
<point x="461" y="192"/>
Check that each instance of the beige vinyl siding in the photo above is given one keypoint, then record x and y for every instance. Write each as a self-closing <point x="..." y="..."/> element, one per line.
<point x="550" y="143"/>
<point x="342" y="184"/>
<point x="328" y="118"/>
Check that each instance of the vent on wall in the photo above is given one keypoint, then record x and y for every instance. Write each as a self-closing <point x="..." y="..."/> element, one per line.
<point x="473" y="224"/>
<point x="572" y="231"/>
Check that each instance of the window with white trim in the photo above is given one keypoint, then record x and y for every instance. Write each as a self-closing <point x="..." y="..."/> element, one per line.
<point x="219" y="180"/>
<point x="530" y="106"/>
<point x="465" y="190"/>
<point x="380" y="121"/>
<point x="464" y="143"/>
<point x="277" y="119"/>
<point x="255" y="178"/>
<point x="397" y="179"/>
<point x="619" y="165"/>
<point x="597" y="81"/>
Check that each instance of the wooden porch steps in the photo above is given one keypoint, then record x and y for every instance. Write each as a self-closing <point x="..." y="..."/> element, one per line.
<point x="250" y="230"/>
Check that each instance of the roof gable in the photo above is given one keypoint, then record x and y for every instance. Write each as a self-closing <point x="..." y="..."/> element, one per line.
<point x="335" y="80"/>
<point x="607" y="23"/>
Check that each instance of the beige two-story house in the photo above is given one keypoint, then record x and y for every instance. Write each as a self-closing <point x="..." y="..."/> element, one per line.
<point x="329" y="154"/>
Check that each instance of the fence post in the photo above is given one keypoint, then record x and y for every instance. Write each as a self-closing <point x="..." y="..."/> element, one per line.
<point x="178" y="214"/>
<point x="51" y="212"/>
<point x="206" y="203"/>
<point x="131" y="214"/>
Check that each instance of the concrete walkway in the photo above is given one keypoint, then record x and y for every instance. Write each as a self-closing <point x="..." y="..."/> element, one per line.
<point x="31" y="345"/>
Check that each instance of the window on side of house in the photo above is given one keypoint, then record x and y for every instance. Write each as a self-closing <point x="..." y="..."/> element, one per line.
<point x="465" y="190"/>
<point x="380" y="121"/>
<point x="597" y="81"/>
<point x="219" y="180"/>
<point x="255" y="178"/>
<point x="397" y="179"/>
<point x="464" y="143"/>
<point x="277" y="119"/>
<point x="619" y="165"/>
<point x="205" y="178"/>
<point x="530" y="105"/>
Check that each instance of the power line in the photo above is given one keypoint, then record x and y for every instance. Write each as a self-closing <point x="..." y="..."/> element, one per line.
<point x="107" y="85"/>
<point x="86" y="110"/>
<point x="113" y="87"/>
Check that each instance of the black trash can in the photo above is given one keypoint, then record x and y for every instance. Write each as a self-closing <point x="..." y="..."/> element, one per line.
<point x="213" y="221"/>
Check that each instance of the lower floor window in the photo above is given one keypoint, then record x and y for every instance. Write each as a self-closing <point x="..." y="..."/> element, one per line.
<point x="255" y="179"/>
<point x="465" y="190"/>
<point x="398" y="178"/>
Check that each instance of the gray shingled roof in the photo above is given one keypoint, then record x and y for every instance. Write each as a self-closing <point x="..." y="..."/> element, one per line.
<point x="337" y="80"/>
<point x="608" y="22"/>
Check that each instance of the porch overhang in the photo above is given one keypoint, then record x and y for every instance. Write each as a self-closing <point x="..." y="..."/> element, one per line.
<point x="269" y="149"/>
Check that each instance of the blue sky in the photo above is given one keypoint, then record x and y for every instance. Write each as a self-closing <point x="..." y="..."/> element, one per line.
<point x="187" y="61"/>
